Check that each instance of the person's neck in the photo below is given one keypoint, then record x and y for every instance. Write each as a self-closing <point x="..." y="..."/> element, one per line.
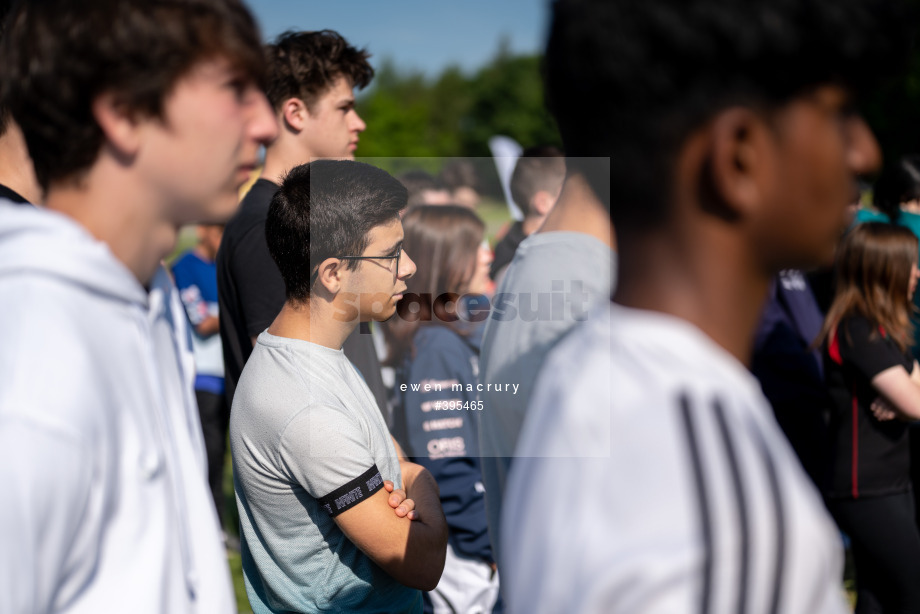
<point x="117" y="210"/>
<point x="282" y="155"/>
<point x="531" y="224"/>
<point x="314" y="321"/>
<point x="579" y="210"/>
<point x="702" y="276"/>
<point x="16" y="170"/>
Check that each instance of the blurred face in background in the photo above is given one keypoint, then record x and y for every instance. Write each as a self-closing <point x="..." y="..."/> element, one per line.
<point x="480" y="282"/>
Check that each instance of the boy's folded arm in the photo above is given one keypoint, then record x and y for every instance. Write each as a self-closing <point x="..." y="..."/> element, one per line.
<point x="411" y="551"/>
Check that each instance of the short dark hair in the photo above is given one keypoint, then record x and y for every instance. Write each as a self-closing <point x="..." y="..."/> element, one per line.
<point x="59" y="56"/>
<point x="538" y="168"/>
<point x="326" y="209"/>
<point x="459" y="173"/>
<point x="417" y="182"/>
<point x="306" y="64"/>
<point x="629" y="80"/>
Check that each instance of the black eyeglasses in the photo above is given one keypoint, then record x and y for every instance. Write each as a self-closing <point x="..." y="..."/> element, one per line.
<point x="394" y="257"/>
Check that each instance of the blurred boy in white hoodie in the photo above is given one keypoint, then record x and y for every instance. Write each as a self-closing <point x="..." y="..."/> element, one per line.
<point x="138" y="120"/>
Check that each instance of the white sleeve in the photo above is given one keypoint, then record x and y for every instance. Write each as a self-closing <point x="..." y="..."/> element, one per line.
<point x="693" y="506"/>
<point x="45" y="476"/>
<point x="595" y="519"/>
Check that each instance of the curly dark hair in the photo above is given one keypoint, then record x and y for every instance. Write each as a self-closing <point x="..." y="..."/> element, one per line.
<point x="630" y="80"/>
<point x="60" y="55"/>
<point x="306" y="64"/>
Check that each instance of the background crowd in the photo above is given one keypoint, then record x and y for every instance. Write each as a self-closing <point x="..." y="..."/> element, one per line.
<point x="562" y="405"/>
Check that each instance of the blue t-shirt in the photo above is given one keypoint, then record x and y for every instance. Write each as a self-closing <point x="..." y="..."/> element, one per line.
<point x="196" y="279"/>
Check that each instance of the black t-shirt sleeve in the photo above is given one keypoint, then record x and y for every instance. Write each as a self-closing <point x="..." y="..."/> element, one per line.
<point x="864" y="346"/>
<point x="259" y="283"/>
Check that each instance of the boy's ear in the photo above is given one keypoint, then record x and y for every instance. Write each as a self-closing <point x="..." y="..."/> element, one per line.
<point x="330" y="273"/>
<point x="542" y="202"/>
<point x="739" y="163"/>
<point x="294" y="113"/>
<point x="121" y="127"/>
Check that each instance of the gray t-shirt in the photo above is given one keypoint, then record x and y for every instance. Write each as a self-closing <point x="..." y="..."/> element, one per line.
<point x="549" y="287"/>
<point x="308" y="442"/>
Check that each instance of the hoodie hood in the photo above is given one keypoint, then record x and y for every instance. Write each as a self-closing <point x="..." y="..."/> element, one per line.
<point x="46" y="242"/>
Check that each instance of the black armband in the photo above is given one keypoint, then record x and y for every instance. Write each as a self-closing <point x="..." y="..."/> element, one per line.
<point x="351" y="494"/>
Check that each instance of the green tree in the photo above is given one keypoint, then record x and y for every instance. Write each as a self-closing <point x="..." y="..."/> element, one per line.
<point x="455" y="114"/>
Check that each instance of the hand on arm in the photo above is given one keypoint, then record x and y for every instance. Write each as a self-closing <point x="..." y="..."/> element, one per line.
<point x="882" y="410"/>
<point x="401" y="504"/>
<point x="411" y="551"/>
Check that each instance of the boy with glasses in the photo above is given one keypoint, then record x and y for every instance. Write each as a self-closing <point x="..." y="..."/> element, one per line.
<point x="311" y="82"/>
<point x="332" y="518"/>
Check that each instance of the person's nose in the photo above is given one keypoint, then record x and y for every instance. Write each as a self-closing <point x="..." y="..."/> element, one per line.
<point x="407" y="266"/>
<point x="357" y="124"/>
<point x="863" y="155"/>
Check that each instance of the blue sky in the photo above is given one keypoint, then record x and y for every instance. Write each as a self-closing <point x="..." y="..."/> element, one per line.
<point x="425" y="35"/>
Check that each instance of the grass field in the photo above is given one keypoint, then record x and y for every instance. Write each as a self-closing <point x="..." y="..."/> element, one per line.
<point x="232" y="528"/>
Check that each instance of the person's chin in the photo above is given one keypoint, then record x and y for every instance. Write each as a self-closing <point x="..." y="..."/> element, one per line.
<point x="387" y="314"/>
<point x="218" y="210"/>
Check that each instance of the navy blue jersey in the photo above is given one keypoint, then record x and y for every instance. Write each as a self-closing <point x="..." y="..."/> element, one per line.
<point x="791" y="371"/>
<point x="436" y="422"/>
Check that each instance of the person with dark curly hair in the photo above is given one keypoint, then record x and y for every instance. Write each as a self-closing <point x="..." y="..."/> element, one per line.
<point x="311" y="78"/>
<point x="730" y="137"/>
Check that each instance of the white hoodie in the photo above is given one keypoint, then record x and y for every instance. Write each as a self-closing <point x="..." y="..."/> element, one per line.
<point x="104" y="504"/>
